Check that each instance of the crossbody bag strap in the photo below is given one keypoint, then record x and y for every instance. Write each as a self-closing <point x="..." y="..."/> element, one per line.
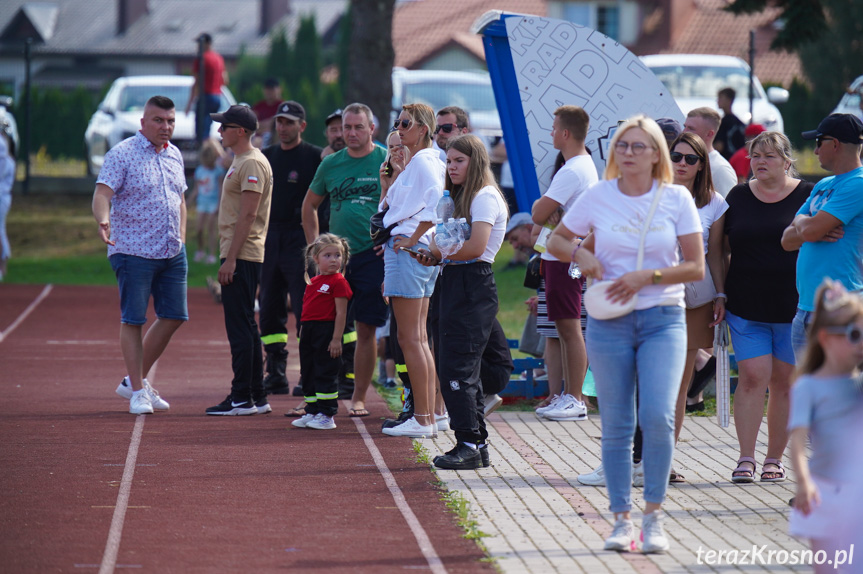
<point x="646" y="227"/>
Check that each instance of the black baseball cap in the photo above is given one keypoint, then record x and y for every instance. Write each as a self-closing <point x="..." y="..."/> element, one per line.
<point x="670" y="127"/>
<point x="271" y="83"/>
<point x="332" y="116"/>
<point x="205" y="38"/>
<point x="241" y="115"/>
<point x="847" y="128"/>
<point x="291" y="110"/>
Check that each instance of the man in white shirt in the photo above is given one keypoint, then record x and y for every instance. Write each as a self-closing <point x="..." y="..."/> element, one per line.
<point x="563" y="293"/>
<point x="704" y="122"/>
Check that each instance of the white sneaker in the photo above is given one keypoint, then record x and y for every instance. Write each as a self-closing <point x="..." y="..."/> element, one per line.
<point x="303" y="420"/>
<point x="595" y="478"/>
<point x="124" y="389"/>
<point x="140" y="404"/>
<point x="652" y="535"/>
<point x="638" y="473"/>
<point x="321" y="422"/>
<point x="621" y="537"/>
<point x="550" y="406"/>
<point x="442" y="422"/>
<point x="569" y="409"/>
<point x="411" y="428"/>
<point x="491" y="403"/>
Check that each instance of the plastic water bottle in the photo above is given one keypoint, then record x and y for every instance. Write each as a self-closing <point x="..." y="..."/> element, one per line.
<point x="465" y="227"/>
<point x="445" y="207"/>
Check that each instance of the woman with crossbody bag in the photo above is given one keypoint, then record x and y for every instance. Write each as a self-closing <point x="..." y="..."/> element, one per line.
<point x="638" y="218"/>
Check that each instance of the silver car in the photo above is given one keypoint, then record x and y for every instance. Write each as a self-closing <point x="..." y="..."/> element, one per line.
<point x="119" y="115"/>
<point x="850" y="102"/>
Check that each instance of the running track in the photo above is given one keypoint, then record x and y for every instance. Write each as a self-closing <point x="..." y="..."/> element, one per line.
<point x="88" y="487"/>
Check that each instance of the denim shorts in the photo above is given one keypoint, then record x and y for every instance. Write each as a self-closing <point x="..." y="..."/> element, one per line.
<point x="405" y="277"/>
<point x="164" y="279"/>
<point x="755" y="339"/>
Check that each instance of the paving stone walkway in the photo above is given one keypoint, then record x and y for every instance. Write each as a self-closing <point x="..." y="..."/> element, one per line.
<point x="540" y="519"/>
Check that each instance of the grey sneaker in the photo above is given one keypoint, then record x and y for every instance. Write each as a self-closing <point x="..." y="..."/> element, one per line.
<point x="621" y="537"/>
<point x="303" y="420"/>
<point x="652" y="535"/>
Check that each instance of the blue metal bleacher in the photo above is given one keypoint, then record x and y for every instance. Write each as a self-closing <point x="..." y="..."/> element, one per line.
<point x="522" y="382"/>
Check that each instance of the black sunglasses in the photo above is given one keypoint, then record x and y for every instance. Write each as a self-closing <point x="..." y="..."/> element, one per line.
<point x="446" y="128"/>
<point x="821" y="139"/>
<point x="404" y="123"/>
<point x="852" y="332"/>
<point x="691" y="158"/>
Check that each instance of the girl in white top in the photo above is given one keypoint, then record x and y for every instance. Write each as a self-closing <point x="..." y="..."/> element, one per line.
<point x="466" y="298"/>
<point x="411" y="193"/>
<point x="648" y="344"/>
<point x="691" y="165"/>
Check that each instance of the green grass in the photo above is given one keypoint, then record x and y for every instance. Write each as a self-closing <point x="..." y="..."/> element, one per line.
<point x="459" y="506"/>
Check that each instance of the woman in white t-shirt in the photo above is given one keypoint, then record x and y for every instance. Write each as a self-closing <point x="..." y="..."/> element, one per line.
<point x="647" y="345"/>
<point x="691" y="166"/>
<point x="412" y="196"/>
<point x="466" y="299"/>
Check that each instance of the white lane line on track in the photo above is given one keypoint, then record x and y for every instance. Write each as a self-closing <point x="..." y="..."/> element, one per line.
<point x="431" y="556"/>
<point x="112" y="546"/>
<point x="45" y="291"/>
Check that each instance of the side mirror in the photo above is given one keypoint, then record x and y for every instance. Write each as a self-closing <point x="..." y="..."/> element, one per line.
<point x="777" y="95"/>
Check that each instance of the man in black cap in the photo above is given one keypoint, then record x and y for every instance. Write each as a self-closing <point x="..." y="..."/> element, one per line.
<point x="215" y="76"/>
<point x="333" y="132"/>
<point x="244" y="213"/>
<point x="828" y="228"/>
<point x="294" y="163"/>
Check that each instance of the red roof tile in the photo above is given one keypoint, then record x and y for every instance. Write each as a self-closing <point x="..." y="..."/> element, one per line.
<point x="422" y="28"/>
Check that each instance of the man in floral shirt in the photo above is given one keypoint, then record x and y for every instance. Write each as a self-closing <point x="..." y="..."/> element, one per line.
<point x="141" y="211"/>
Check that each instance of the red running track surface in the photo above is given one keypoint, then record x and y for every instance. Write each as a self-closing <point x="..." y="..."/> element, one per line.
<point x="208" y="494"/>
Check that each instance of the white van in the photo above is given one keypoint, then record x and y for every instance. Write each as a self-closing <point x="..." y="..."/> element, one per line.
<point x="695" y="79"/>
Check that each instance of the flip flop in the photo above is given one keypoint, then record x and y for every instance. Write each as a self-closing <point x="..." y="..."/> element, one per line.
<point x="296" y="412"/>
<point x="358" y="413"/>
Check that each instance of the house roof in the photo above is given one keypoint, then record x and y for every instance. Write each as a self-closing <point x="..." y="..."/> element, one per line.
<point x="89" y="27"/>
<point x="711" y="30"/>
<point x="422" y="28"/>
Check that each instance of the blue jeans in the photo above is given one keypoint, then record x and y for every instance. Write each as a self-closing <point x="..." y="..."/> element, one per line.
<point x="798" y="332"/>
<point x="647" y="347"/>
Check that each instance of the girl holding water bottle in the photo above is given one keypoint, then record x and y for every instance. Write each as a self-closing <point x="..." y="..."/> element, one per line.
<point x="466" y="298"/>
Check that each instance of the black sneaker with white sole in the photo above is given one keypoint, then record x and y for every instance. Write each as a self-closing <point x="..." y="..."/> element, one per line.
<point x="462" y="457"/>
<point x="230" y="408"/>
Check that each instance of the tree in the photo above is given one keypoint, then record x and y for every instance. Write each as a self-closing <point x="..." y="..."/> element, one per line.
<point x="279" y="57"/>
<point x="372" y="56"/>
<point x="804" y="20"/>
<point x="307" y="53"/>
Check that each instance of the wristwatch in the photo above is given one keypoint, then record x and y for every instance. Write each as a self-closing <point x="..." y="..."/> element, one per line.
<point x="657" y="276"/>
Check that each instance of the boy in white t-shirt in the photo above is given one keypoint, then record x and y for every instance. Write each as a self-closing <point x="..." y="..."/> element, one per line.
<point x="563" y="293"/>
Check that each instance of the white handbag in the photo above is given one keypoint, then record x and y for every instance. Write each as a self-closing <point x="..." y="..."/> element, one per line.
<point x="595" y="300"/>
<point x="701" y="292"/>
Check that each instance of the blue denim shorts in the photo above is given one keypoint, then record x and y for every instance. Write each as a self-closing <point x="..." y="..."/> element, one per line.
<point x="405" y="277"/>
<point x="754" y="339"/>
<point x="164" y="279"/>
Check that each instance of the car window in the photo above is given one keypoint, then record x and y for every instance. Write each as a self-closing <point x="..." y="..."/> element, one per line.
<point x="702" y="81"/>
<point x="437" y="95"/>
<point x="134" y="98"/>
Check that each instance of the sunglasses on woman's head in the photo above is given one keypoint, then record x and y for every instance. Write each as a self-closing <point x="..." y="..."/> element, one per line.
<point x="691" y="158"/>
<point x="852" y="332"/>
<point x="405" y="124"/>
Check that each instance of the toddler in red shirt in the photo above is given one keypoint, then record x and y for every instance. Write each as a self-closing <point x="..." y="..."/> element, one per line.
<point x="322" y="324"/>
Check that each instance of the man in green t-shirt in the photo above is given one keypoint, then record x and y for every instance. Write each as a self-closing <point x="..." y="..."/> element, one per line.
<point x="351" y="179"/>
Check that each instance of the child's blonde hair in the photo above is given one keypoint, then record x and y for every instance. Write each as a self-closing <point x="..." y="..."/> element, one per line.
<point x="834" y="307"/>
<point x="211" y="151"/>
<point x="318" y="245"/>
